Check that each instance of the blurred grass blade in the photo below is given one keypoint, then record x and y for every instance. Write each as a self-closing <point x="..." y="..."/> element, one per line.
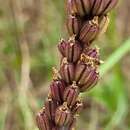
<point x="122" y="103"/>
<point x="3" y="114"/>
<point x="115" y="57"/>
<point x="119" y="115"/>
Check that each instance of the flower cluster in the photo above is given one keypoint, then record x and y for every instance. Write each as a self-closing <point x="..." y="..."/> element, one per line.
<point x="79" y="64"/>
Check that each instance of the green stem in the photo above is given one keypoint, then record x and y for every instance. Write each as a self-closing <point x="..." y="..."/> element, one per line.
<point x="115" y="57"/>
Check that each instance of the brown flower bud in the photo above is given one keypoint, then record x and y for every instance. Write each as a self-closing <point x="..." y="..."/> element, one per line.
<point x="91" y="82"/>
<point x="63" y="115"/>
<point x="57" y="88"/>
<point x="50" y="108"/>
<point x="89" y="31"/>
<point x="43" y="121"/>
<point x="77" y="107"/>
<point x="71" y="94"/>
<point x="72" y="50"/>
<point x="85" y="76"/>
<point x="67" y="72"/>
<point x="79" y="7"/>
<point x="73" y="25"/>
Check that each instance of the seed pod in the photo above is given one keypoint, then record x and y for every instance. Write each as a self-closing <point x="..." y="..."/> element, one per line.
<point x="62" y="47"/>
<point x="79" y="7"/>
<point x="77" y="107"/>
<point x="67" y="72"/>
<point x="63" y="115"/>
<point x="73" y="25"/>
<point x="71" y="94"/>
<point x="42" y="121"/>
<point x="72" y="50"/>
<point x="85" y="76"/>
<point x="88" y="78"/>
<point x="50" y="108"/>
<point x="89" y="31"/>
<point x="80" y="68"/>
<point x="90" y="82"/>
<point x="57" y="88"/>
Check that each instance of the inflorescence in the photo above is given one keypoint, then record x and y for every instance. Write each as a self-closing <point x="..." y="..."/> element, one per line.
<point x="78" y="72"/>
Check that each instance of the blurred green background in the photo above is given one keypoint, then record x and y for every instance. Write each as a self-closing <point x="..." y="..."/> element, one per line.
<point x="29" y="33"/>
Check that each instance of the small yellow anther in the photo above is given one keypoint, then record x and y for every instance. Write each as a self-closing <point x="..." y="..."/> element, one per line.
<point x="55" y="73"/>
